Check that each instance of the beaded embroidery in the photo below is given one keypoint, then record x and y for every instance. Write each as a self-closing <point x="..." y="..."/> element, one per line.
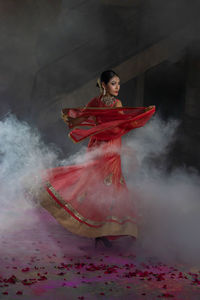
<point x="108" y="100"/>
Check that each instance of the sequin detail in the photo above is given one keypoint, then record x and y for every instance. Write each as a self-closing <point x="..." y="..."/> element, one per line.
<point x="108" y="100"/>
<point x="108" y="179"/>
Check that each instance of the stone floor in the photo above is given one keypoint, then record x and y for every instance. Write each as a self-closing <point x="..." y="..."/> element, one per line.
<point x="42" y="260"/>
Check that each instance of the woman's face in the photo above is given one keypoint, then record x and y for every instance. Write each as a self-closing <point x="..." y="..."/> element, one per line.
<point x="113" y="86"/>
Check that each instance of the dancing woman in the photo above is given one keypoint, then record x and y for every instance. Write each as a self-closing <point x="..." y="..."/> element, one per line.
<point x="91" y="199"/>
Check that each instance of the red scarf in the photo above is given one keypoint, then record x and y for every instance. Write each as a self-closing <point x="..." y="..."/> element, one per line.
<point x="111" y="122"/>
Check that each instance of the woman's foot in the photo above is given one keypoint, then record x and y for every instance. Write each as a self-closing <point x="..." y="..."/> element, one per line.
<point x="105" y="241"/>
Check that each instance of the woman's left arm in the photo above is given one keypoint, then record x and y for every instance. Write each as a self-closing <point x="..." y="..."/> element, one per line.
<point x="118" y="105"/>
<point x="72" y="122"/>
<point x="149" y="107"/>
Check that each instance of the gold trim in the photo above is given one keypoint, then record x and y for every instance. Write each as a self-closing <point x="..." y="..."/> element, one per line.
<point x="69" y="136"/>
<point x="73" y="225"/>
<point x="108" y="179"/>
<point x="122" y="181"/>
<point x="90" y="222"/>
<point x="117" y="108"/>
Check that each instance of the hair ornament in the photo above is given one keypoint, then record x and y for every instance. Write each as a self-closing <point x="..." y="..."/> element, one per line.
<point x="99" y="84"/>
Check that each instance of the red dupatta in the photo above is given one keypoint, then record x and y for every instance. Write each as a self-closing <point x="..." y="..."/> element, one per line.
<point x="110" y="122"/>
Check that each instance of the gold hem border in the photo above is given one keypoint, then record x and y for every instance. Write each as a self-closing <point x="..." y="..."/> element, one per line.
<point x="80" y="217"/>
<point x="80" y="228"/>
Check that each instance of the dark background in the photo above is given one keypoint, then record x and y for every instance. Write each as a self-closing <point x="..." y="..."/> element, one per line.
<point x="51" y="53"/>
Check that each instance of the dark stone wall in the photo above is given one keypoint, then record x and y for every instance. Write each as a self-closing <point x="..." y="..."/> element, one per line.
<point x="21" y="24"/>
<point x="49" y="49"/>
<point x="191" y="146"/>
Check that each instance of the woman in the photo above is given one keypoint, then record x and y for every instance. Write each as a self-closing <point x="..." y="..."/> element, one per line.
<point x="92" y="199"/>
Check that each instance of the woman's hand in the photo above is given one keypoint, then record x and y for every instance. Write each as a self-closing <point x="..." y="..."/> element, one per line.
<point x="149" y="107"/>
<point x="73" y="122"/>
<point x="64" y="117"/>
<point x="67" y="119"/>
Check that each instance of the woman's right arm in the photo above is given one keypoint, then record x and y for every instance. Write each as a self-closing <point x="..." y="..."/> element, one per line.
<point x="73" y="122"/>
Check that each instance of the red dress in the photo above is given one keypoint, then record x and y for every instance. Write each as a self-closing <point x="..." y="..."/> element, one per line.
<point x="92" y="199"/>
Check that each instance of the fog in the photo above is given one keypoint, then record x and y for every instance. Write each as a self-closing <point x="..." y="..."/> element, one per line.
<point x="167" y="202"/>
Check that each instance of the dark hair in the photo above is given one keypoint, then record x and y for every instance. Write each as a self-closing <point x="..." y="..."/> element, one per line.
<point x="106" y="76"/>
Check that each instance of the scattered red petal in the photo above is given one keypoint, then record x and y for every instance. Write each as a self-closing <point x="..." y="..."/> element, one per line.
<point x="196" y="281"/>
<point x="29" y="281"/>
<point x="25" y="270"/>
<point x="160" y="277"/>
<point x="42" y="278"/>
<point x="61" y="274"/>
<point x="19" y="293"/>
<point x="166" y="295"/>
<point x="164" y="286"/>
<point x="11" y="279"/>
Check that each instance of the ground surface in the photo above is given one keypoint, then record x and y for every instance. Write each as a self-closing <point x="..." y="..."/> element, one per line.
<point x="45" y="261"/>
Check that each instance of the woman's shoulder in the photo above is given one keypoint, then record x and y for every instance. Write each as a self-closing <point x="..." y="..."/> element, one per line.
<point x="94" y="102"/>
<point x="118" y="103"/>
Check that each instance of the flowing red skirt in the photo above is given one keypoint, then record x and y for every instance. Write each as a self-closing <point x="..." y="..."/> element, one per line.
<point x="91" y="199"/>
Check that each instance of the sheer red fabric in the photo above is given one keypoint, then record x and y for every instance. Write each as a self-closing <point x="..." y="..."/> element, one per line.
<point x="92" y="198"/>
<point x="107" y="123"/>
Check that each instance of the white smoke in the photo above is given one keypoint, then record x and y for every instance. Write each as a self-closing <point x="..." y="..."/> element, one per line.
<point x="168" y="203"/>
<point x="22" y="157"/>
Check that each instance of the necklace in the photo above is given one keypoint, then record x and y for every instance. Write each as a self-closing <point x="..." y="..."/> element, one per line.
<point x="108" y="100"/>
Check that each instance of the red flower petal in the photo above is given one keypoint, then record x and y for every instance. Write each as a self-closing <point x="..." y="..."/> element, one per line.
<point x="25" y="270"/>
<point x="19" y="293"/>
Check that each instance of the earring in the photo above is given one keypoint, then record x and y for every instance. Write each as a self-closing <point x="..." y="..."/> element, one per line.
<point x="104" y="91"/>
